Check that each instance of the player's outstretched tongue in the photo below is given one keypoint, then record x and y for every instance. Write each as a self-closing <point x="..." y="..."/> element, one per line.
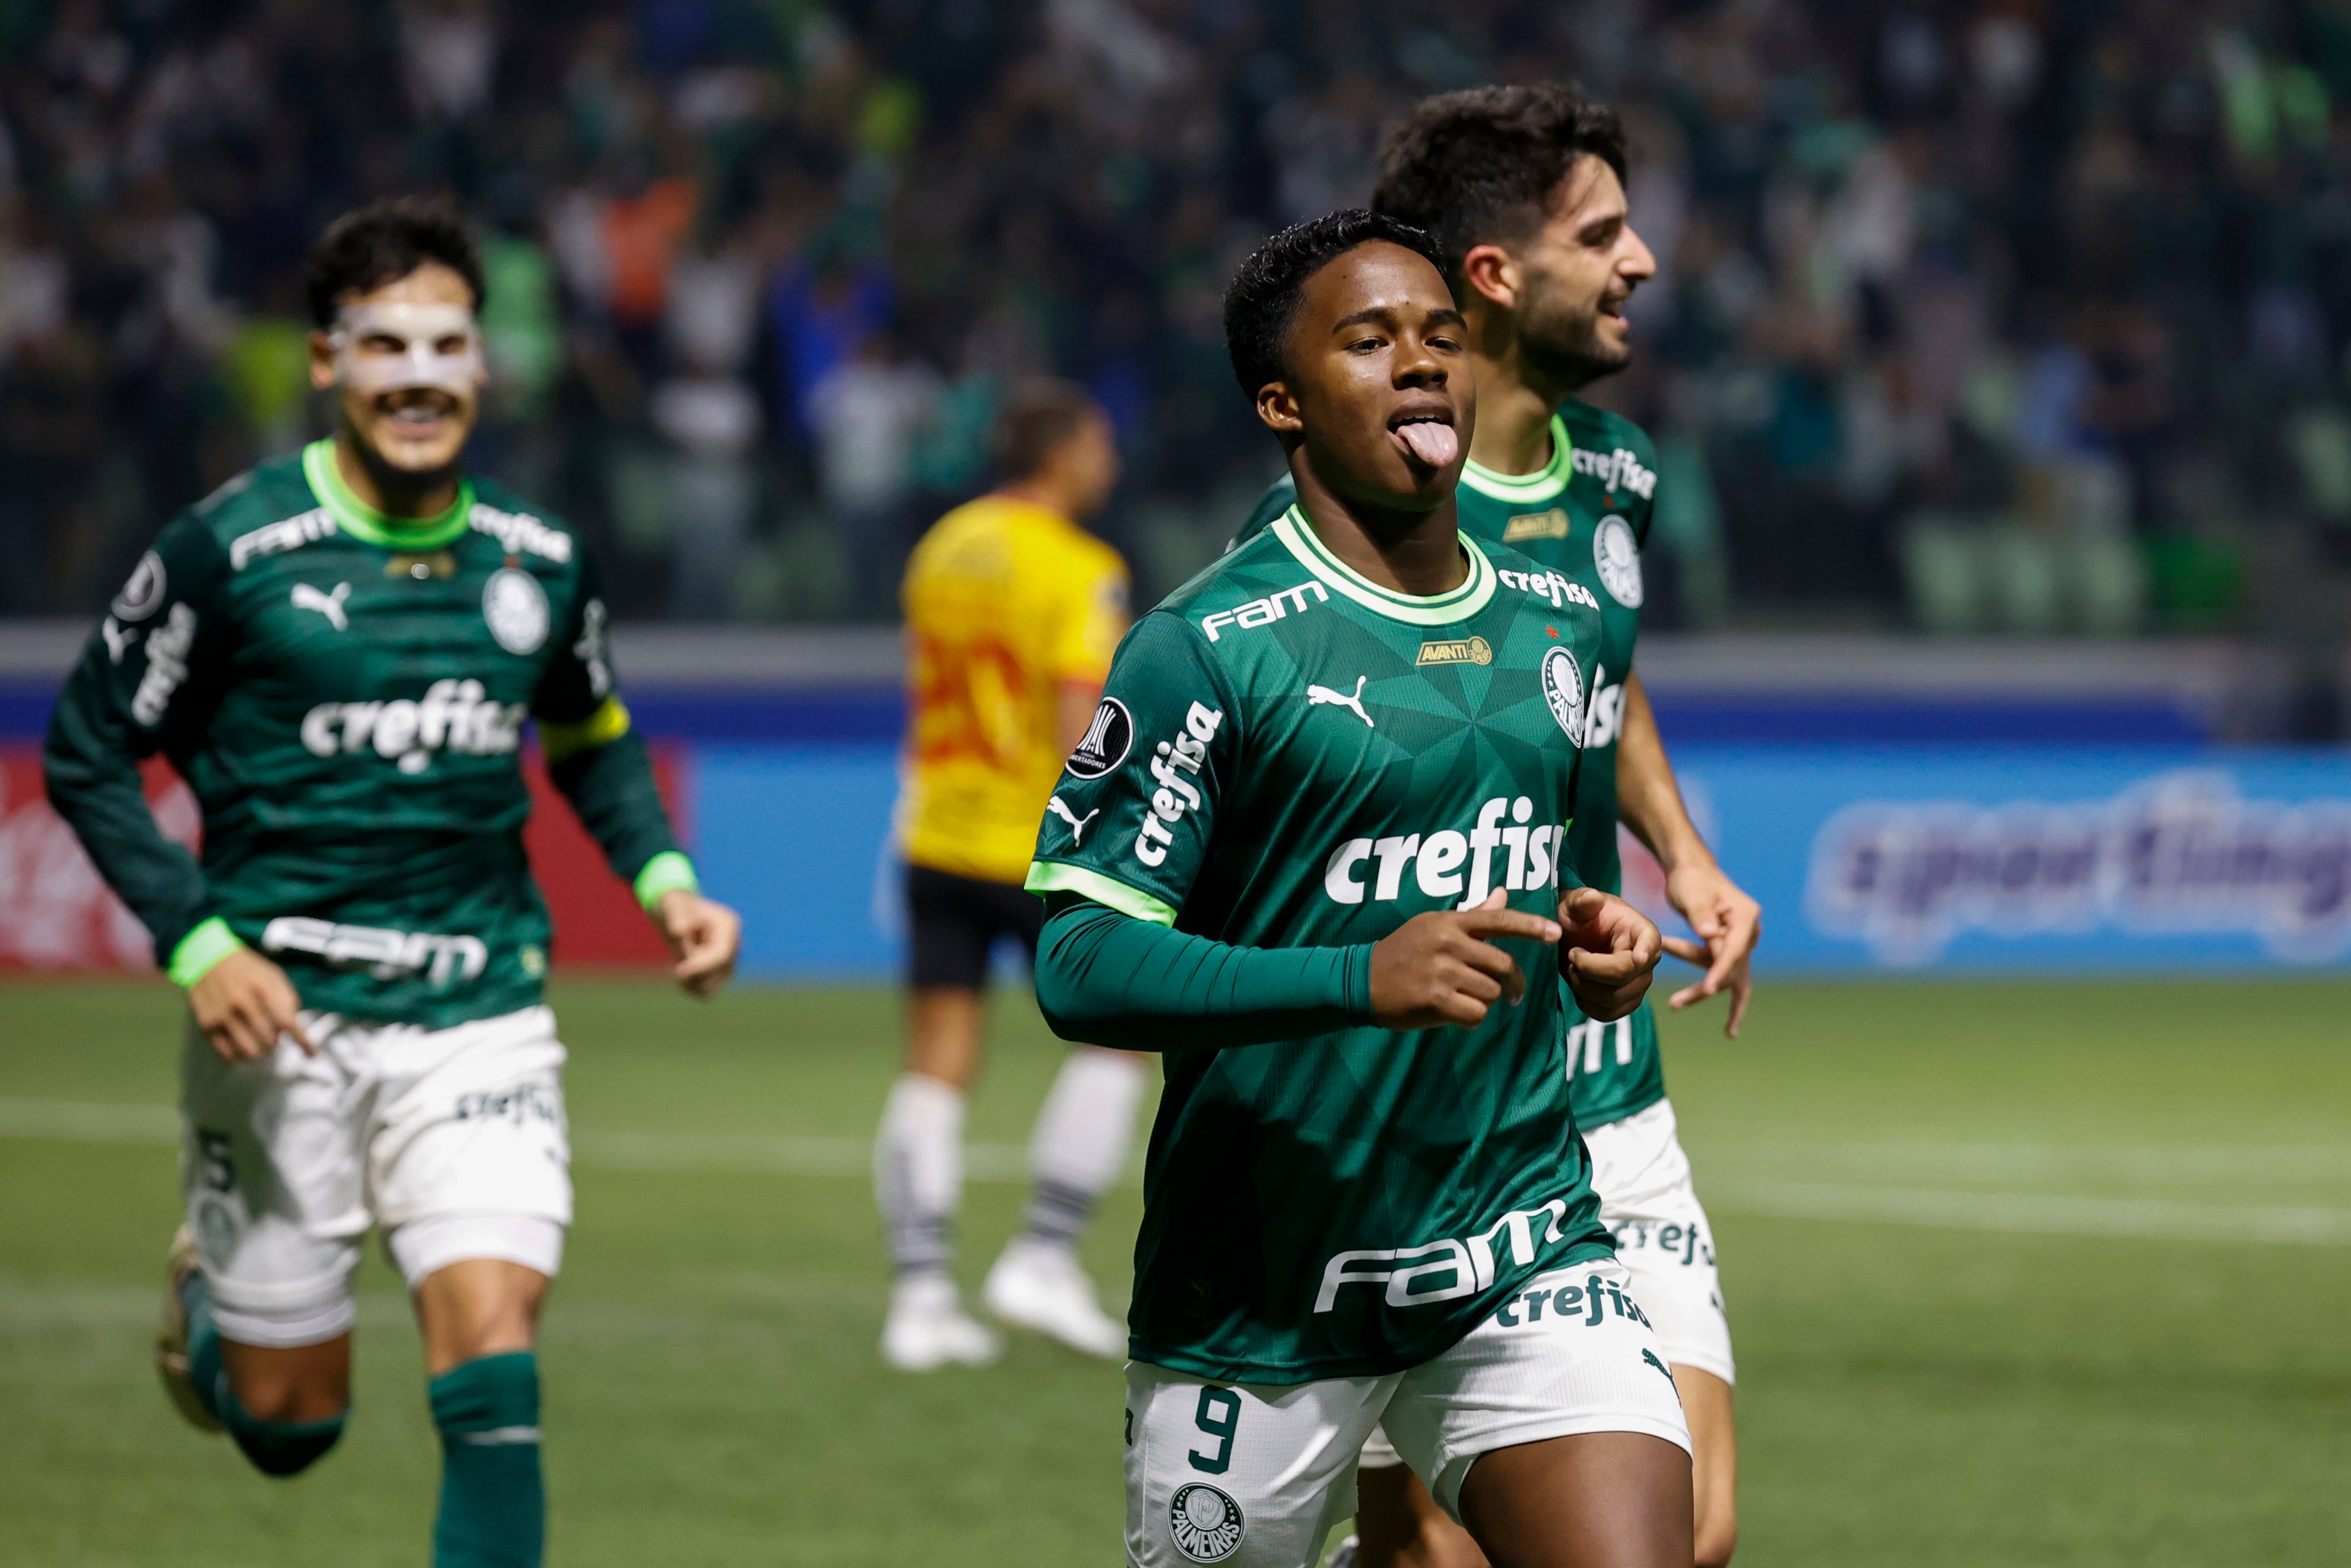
<point x="1432" y="443"/>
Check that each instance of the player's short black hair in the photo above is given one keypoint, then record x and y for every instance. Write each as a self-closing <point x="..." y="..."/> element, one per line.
<point x="385" y="241"/>
<point x="1263" y="301"/>
<point x="1038" y="419"/>
<point x="1483" y="166"/>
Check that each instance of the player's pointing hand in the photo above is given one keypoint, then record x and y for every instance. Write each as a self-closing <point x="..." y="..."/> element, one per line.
<point x="1439" y="969"/>
<point x="702" y="936"/>
<point x="1608" y="952"/>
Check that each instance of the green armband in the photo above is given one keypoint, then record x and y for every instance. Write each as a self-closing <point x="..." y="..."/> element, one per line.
<point x="200" y="949"/>
<point x="665" y="872"/>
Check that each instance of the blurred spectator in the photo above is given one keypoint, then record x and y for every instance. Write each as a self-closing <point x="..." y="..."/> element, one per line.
<point x="2012" y="281"/>
<point x="867" y="413"/>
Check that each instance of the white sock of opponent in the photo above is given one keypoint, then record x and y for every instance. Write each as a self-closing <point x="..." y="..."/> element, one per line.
<point x="1080" y="1143"/>
<point x="918" y="1171"/>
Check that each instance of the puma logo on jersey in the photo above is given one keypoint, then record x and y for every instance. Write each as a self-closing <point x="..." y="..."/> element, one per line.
<point x="329" y="605"/>
<point x="1323" y="696"/>
<point x="1077" y="823"/>
<point x="1449" y="864"/>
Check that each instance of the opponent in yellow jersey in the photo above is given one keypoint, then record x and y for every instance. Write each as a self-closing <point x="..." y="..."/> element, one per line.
<point x="1008" y="604"/>
<point x="1012" y="613"/>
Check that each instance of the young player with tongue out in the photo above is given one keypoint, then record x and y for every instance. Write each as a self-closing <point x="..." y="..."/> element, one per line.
<point x="1327" y="814"/>
<point x="1523" y="188"/>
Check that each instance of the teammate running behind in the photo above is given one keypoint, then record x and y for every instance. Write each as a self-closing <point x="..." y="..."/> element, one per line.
<point x="1324" y="856"/>
<point x="339" y="650"/>
<point x="1012" y="613"/>
<point x="1523" y="188"/>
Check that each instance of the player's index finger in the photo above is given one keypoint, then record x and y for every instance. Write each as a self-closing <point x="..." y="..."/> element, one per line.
<point x="1509" y="923"/>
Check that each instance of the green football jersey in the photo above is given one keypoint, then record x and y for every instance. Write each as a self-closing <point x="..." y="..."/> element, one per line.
<point x="1584" y="515"/>
<point x="345" y="695"/>
<point x="1288" y="755"/>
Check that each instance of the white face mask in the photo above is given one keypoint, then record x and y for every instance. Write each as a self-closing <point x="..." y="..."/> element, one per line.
<point x="439" y="347"/>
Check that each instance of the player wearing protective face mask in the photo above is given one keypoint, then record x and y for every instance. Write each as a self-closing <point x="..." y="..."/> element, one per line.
<point x="340" y="652"/>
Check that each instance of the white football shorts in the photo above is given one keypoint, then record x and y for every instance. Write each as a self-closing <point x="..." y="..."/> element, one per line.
<point x="1255" y="1475"/>
<point x="1648" y="1201"/>
<point x="451" y="1141"/>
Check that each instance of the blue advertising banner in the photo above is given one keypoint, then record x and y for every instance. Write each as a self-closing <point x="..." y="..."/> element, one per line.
<point x="2014" y="860"/>
<point x="2008" y="860"/>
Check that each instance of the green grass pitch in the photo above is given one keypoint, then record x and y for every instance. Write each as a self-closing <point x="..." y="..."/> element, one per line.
<point x="2019" y="1275"/>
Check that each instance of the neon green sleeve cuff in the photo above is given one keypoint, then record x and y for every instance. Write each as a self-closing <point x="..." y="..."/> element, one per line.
<point x="665" y="872"/>
<point x="200" y="949"/>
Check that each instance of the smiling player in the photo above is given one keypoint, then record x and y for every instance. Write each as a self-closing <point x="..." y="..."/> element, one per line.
<point x="338" y="651"/>
<point x="1336" y="769"/>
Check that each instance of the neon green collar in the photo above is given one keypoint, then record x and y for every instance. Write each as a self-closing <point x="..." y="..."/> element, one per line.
<point x="1524" y="489"/>
<point x="1298" y="538"/>
<point x="361" y="522"/>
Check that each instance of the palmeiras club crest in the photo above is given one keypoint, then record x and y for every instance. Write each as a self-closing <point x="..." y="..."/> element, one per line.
<point x="1206" y="1524"/>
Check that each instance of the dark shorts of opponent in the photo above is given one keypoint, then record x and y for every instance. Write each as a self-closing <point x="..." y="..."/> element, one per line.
<point x="953" y="922"/>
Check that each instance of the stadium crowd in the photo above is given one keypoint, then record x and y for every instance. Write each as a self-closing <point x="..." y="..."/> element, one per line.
<point x="2018" y="315"/>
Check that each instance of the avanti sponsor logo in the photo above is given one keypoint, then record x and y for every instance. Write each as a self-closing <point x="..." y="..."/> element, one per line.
<point x="2184" y="853"/>
<point x="1456" y="650"/>
<point x="1176" y="764"/>
<point x="1551" y="525"/>
<point x="1449" y="864"/>
<point x="1267" y="610"/>
<point x="454" y="716"/>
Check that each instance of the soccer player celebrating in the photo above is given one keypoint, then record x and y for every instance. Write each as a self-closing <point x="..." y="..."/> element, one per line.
<point x="1524" y="188"/>
<point x="1012" y="613"/>
<point x="338" y="651"/>
<point x="1328" y="788"/>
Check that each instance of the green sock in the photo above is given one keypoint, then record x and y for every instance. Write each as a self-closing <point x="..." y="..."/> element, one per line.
<point x="278" y="1448"/>
<point x="493" y="1502"/>
<point x="204" y="1368"/>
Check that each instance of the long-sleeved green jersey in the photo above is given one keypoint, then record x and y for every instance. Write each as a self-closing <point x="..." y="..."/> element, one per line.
<point x="1291" y="757"/>
<point x="345" y="693"/>
<point x="1584" y="515"/>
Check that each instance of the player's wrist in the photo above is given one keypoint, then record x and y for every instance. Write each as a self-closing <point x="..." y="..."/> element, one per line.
<point x="201" y="951"/>
<point x="667" y="872"/>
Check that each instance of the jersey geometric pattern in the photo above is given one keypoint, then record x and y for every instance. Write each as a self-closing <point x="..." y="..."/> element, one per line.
<point x="1585" y="515"/>
<point x="346" y="695"/>
<point x="1313" y="760"/>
